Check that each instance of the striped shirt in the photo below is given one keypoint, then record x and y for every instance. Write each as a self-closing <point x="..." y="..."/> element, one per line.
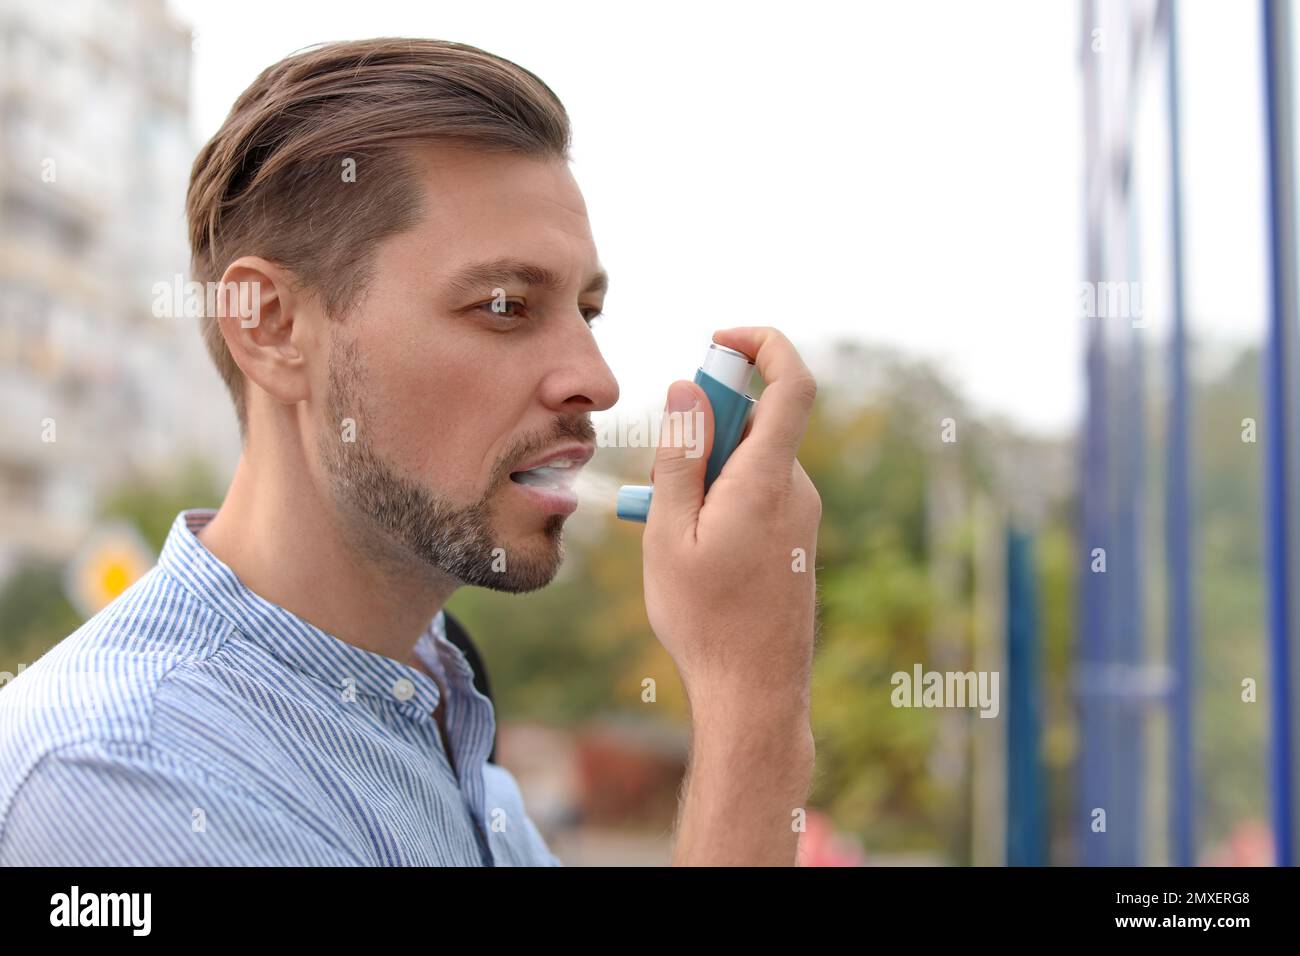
<point x="192" y="722"/>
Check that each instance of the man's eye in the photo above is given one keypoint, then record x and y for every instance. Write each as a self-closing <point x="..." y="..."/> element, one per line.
<point x="506" y="308"/>
<point x="592" y="315"/>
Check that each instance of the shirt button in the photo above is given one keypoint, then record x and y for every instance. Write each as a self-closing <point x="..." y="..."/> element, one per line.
<point x="403" y="689"/>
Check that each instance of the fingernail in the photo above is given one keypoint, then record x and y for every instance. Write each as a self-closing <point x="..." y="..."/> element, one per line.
<point x="681" y="397"/>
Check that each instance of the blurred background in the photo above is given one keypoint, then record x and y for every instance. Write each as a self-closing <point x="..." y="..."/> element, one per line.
<point x="1042" y="260"/>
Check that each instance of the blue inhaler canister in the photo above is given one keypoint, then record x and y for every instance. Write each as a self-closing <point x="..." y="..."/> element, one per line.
<point x="724" y="376"/>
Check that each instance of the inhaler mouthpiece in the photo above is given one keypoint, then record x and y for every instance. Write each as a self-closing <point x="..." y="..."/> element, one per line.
<point x="634" y="502"/>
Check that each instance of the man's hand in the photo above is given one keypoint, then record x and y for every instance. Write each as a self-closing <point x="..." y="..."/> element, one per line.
<point x="730" y="591"/>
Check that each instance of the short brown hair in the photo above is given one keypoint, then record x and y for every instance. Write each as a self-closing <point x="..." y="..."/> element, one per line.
<point x="268" y="183"/>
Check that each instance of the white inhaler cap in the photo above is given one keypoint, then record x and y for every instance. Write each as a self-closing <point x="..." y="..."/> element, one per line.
<point x="733" y="369"/>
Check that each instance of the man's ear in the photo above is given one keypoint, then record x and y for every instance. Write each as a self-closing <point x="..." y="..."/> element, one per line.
<point x="269" y="337"/>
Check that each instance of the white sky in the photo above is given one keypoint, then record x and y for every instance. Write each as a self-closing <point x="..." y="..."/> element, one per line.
<point x="901" y="173"/>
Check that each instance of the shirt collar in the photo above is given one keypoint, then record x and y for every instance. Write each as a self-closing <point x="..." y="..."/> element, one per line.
<point x="296" y="642"/>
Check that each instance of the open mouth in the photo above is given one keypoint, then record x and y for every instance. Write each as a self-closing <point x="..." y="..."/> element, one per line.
<point x="558" y="475"/>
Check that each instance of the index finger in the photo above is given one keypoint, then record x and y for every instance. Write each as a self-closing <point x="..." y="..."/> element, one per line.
<point x="782" y="414"/>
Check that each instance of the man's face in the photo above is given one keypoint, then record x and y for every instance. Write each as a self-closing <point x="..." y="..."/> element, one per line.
<point x="469" y="358"/>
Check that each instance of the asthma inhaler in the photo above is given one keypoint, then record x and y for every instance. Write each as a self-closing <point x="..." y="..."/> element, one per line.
<point x="724" y="376"/>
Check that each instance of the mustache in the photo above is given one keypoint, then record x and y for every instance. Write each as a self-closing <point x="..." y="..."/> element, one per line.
<point x="562" y="429"/>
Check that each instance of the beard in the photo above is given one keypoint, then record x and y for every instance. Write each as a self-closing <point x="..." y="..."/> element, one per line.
<point x="459" y="541"/>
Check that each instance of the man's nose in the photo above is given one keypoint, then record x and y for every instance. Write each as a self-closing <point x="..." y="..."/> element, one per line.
<point x="581" y="381"/>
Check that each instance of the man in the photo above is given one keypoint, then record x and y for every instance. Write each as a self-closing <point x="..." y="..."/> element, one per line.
<point x="418" y="279"/>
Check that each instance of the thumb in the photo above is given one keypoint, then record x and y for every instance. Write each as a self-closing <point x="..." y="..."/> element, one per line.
<point x="685" y="439"/>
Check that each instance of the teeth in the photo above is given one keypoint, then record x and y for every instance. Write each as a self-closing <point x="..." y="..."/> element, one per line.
<point x="559" y="463"/>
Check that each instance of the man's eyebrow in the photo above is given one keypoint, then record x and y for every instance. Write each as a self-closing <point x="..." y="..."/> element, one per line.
<point x="480" y="278"/>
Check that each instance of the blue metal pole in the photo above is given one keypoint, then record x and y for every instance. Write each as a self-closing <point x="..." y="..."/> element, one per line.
<point x="1026" y="844"/>
<point x="1277" y="517"/>
<point x="1178" y="511"/>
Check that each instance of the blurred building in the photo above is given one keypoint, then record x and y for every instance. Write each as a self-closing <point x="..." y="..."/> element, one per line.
<point x="95" y="151"/>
